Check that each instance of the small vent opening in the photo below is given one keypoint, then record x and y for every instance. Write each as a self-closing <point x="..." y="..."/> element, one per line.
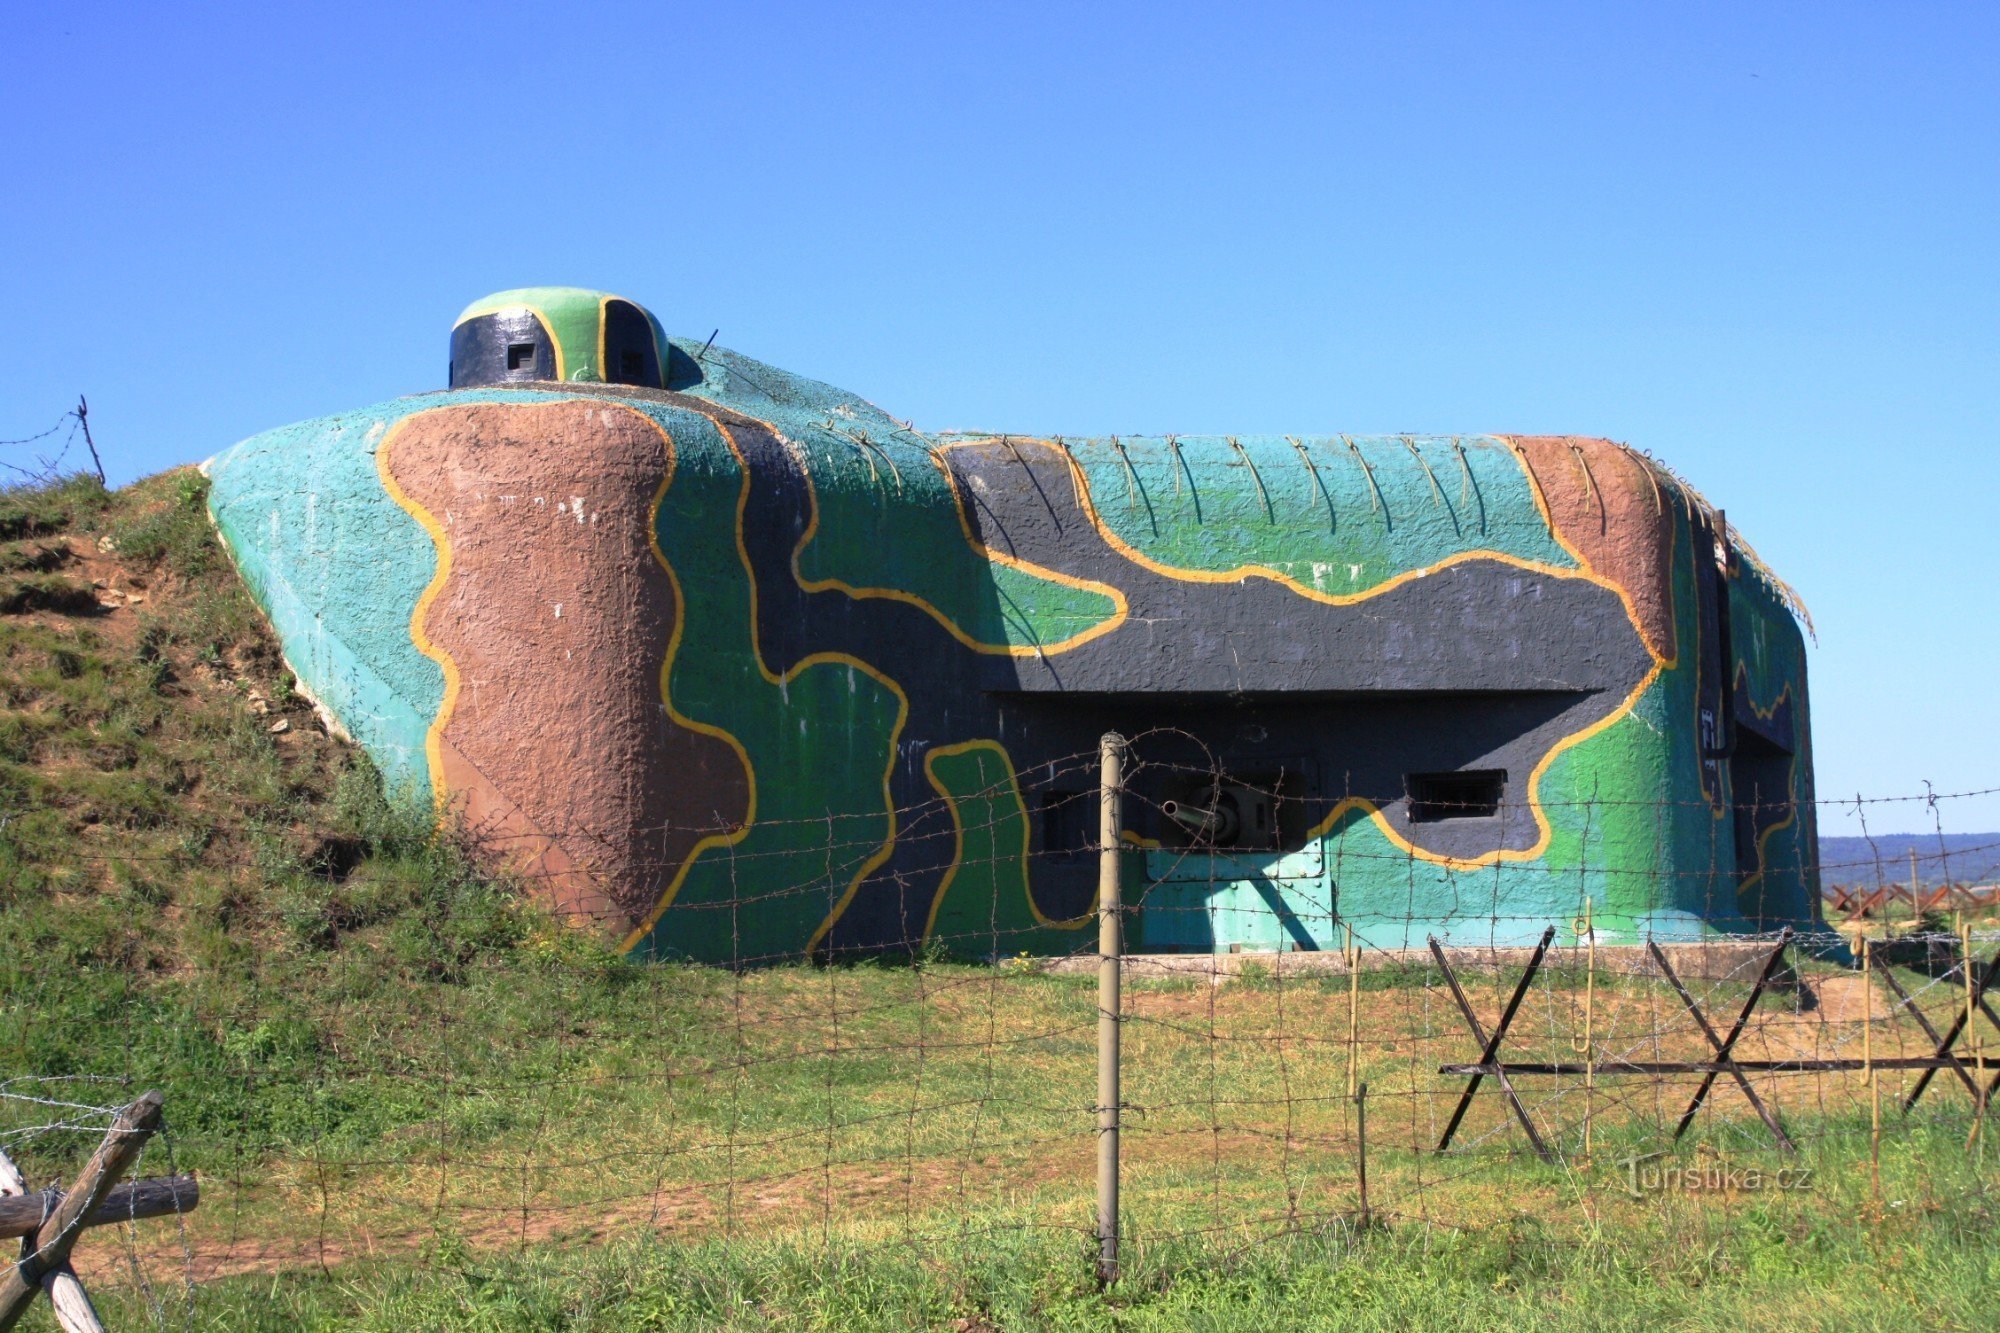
<point x="631" y="367"/>
<point x="520" y="356"/>
<point x="1469" y="795"/>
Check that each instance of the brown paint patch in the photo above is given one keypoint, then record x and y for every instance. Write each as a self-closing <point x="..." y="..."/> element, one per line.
<point x="557" y="616"/>
<point x="1610" y="508"/>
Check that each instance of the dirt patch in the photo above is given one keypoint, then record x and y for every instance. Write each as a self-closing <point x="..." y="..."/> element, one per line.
<point x="1839" y="1000"/>
<point x="808" y="1199"/>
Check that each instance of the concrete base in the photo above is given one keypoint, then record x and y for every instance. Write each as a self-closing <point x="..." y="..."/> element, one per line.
<point x="1703" y="960"/>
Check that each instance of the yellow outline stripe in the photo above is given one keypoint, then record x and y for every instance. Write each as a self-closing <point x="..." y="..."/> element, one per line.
<point x="419" y="635"/>
<point x="604" y="300"/>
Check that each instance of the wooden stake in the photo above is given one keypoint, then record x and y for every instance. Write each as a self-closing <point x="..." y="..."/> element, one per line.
<point x="57" y="1236"/>
<point x="1972" y="1031"/>
<point x="66" y="1294"/>
<point x="1869" y="1078"/>
<point x="1361" y="1149"/>
<point x="1353" y="1011"/>
<point x="1110" y="949"/>
<point x="1589" y="1051"/>
<point x="72" y="1303"/>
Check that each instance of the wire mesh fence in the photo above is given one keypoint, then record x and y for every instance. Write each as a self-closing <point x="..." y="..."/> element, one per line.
<point x="427" y="1094"/>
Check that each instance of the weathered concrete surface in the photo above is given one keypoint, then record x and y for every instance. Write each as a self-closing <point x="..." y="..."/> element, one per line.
<point x="552" y="620"/>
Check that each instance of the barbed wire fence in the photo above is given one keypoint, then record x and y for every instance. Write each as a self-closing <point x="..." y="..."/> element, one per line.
<point x="1097" y="1070"/>
<point x="50" y="461"/>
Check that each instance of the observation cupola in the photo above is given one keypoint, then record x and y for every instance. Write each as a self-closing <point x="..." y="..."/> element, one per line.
<point x="557" y="333"/>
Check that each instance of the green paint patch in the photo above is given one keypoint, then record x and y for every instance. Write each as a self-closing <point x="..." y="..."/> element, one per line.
<point x="885" y="532"/>
<point x="987" y="906"/>
<point x="1770" y="650"/>
<point x="1335" y="516"/>
<point x="818" y="743"/>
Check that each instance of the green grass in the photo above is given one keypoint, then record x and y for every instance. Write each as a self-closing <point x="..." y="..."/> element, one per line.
<point x="1767" y="1268"/>
<point x="417" y="1102"/>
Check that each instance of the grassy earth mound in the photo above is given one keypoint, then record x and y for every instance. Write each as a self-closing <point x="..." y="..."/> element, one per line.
<point x="182" y="839"/>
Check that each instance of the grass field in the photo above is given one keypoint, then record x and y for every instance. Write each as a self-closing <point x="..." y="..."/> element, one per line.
<point x="609" y="1174"/>
<point x="415" y="1102"/>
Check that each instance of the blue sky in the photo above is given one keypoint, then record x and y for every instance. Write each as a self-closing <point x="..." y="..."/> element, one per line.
<point x="1757" y="240"/>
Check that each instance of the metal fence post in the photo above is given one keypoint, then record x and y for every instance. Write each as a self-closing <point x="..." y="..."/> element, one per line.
<point x="1110" y="947"/>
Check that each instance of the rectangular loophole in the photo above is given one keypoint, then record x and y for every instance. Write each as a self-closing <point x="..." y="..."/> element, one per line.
<point x="1068" y="819"/>
<point x="631" y="367"/>
<point x="1473" y="794"/>
<point x="520" y="356"/>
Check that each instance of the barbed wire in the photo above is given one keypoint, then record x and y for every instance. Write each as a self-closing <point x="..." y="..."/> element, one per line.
<point x="49" y="469"/>
<point x="41" y="435"/>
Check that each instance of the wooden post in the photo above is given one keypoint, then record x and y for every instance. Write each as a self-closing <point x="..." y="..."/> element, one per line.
<point x="135" y="1201"/>
<point x="1589" y="1026"/>
<point x="1353" y="957"/>
<point x="1973" y="1033"/>
<point x="72" y="1303"/>
<point x="1110" y="949"/>
<point x="83" y="420"/>
<point x="53" y="1241"/>
<point x="1869" y="1078"/>
<point x="1361" y="1149"/>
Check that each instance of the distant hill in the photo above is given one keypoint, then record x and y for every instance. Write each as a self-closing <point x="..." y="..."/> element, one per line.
<point x="1967" y="858"/>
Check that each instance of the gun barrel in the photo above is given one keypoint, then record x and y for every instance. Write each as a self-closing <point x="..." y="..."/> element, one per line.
<point x="1217" y="824"/>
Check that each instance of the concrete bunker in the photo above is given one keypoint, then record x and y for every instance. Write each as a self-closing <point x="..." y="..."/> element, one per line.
<point x="741" y="667"/>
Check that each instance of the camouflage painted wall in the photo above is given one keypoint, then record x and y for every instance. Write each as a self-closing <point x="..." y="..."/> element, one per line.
<point x="745" y="667"/>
